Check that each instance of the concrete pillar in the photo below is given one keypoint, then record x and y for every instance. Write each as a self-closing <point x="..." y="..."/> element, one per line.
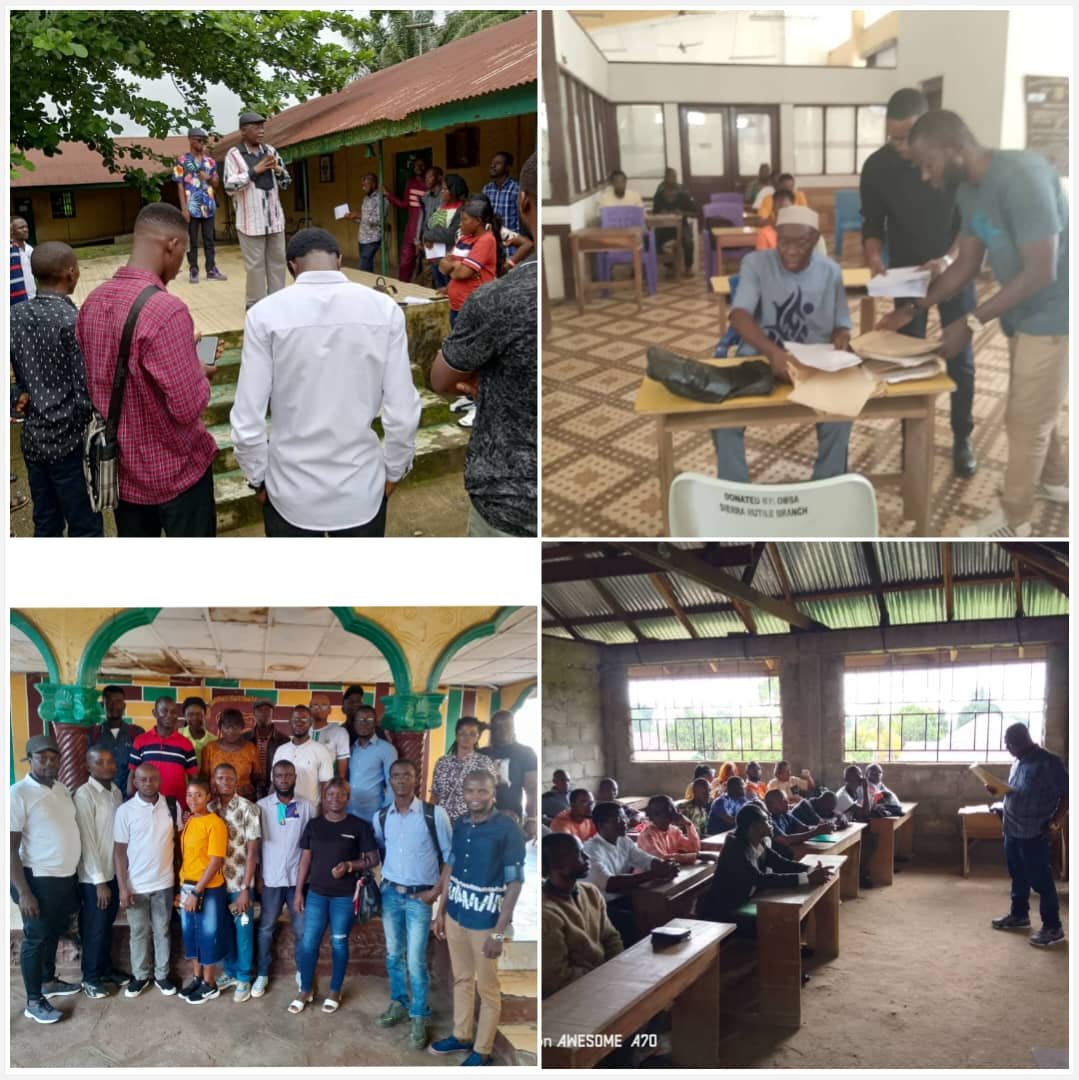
<point x="1056" y="700"/>
<point x="832" y="737"/>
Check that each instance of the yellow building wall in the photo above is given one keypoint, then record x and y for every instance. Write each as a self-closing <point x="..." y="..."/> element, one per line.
<point x="100" y="214"/>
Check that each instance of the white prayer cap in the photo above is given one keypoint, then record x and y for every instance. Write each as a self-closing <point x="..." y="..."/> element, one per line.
<point x="798" y="215"/>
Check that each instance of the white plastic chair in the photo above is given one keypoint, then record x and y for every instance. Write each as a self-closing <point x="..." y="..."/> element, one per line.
<point x="703" y="506"/>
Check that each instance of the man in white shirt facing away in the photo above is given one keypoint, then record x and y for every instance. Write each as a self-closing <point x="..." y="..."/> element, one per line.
<point x="326" y="356"/>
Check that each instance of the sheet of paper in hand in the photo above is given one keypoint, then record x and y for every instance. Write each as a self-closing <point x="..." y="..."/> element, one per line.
<point x="900" y="281"/>
<point x="894" y="347"/>
<point x="822" y="357"/>
<point x="340" y="211"/>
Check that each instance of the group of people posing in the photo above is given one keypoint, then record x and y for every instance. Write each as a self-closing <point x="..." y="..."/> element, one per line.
<point x="233" y="828"/>
<point x="327" y="356"/>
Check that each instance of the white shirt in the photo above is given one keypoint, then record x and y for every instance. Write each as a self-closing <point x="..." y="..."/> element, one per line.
<point x="50" y="834"/>
<point x="607" y="860"/>
<point x="844" y="801"/>
<point x="334" y="738"/>
<point x="314" y="766"/>
<point x="95" y="811"/>
<point x="149" y="830"/>
<point x="327" y="356"/>
<point x="27" y="274"/>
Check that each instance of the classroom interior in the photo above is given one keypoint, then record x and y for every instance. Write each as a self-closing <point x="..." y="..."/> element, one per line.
<point x="714" y="95"/>
<point x="658" y="658"/>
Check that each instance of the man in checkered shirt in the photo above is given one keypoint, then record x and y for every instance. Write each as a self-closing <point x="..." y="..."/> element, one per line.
<point x="503" y="190"/>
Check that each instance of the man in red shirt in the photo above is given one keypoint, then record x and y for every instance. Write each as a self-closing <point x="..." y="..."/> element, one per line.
<point x="166" y="453"/>
<point x="412" y="201"/>
<point x="166" y="749"/>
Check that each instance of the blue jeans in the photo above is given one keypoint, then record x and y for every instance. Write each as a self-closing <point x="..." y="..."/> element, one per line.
<point x="59" y="494"/>
<point x="406" y="923"/>
<point x="1028" y="864"/>
<point x="960" y="366"/>
<point x="273" y="899"/>
<point x="440" y="279"/>
<point x="241" y="954"/>
<point x="367" y="255"/>
<point x="832" y="443"/>
<point x="320" y="910"/>
<point x="95" y="929"/>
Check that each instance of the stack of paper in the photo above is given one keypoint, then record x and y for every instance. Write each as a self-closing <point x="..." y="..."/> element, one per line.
<point x="888" y="371"/>
<point x="1000" y="787"/>
<point x="895" y="348"/>
<point x="822" y="357"/>
<point x="900" y="281"/>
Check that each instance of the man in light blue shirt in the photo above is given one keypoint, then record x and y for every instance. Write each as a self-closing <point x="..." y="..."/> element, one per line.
<point x="369" y="767"/>
<point x="788" y="293"/>
<point x="416" y="839"/>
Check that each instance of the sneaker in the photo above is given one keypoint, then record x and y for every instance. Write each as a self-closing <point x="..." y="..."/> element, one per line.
<point x="449" y="1045"/>
<point x="417" y="1033"/>
<point x="59" y="988"/>
<point x="205" y="992"/>
<point x="118" y="978"/>
<point x="193" y="277"/>
<point x="1011" y="922"/>
<point x="243" y="993"/>
<point x="476" y="1059"/>
<point x="469" y="418"/>
<point x="1057" y="493"/>
<point x="996" y="524"/>
<point x="215" y="275"/>
<point x="394" y="1014"/>
<point x="1045" y="937"/>
<point x="224" y="982"/>
<point x="191" y="987"/>
<point x="94" y="990"/>
<point x="964" y="460"/>
<point x="166" y="986"/>
<point x="41" y="1011"/>
<point x="462" y="403"/>
<point x="135" y="987"/>
<point x="258" y="987"/>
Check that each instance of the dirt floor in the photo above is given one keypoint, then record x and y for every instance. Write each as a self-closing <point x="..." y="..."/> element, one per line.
<point x="919" y="983"/>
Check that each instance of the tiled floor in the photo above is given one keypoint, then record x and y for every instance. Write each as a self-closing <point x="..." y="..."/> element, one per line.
<point x="599" y="458"/>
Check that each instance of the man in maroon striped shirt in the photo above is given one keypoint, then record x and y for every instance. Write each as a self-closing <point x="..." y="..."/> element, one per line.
<point x="166" y="453"/>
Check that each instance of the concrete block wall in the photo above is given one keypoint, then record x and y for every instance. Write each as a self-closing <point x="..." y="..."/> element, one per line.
<point x="572" y="715"/>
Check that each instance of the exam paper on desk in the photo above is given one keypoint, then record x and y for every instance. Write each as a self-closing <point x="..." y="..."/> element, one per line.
<point x="822" y="357"/>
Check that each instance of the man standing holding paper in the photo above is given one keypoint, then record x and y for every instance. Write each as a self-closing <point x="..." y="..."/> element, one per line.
<point x="1035" y="807"/>
<point x="919" y="223"/>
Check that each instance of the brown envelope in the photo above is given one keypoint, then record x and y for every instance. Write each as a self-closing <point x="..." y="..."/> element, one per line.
<point x="839" y="393"/>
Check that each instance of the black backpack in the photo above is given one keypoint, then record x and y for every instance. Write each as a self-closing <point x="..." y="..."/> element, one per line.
<point x="429" y="818"/>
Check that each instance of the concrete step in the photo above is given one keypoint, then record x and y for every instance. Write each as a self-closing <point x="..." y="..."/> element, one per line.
<point x="440" y="449"/>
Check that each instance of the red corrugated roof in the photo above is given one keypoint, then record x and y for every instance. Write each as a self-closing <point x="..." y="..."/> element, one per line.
<point x="77" y="164"/>
<point x="498" y="58"/>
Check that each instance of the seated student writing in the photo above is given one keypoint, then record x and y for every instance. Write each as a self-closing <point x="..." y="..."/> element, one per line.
<point x="789" y="294"/>
<point x="607" y="791"/>
<point x="725" y="809"/>
<point x="697" y="807"/>
<point x="577" y="820"/>
<point x="617" y="866"/>
<point x="670" y="835"/>
<point x="578" y="935"/>
<point x="787" y="830"/>
<point x="819" y="813"/>
<point x="702" y="771"/>
<point x="754" y="785"/>
<point x="747" y="866"/>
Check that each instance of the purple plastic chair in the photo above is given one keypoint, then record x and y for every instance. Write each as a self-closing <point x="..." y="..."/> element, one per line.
<point x="628" y="217"/>
<point x="730" y="206"/>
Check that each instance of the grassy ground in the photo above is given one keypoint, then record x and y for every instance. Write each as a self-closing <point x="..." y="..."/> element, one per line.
<point x="100" y="251"/>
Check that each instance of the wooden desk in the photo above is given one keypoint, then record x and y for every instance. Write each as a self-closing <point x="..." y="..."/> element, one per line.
<point x="714" y="843"/>
<point x="779" y="942"/>
<point x="732" y="236"/>
<point x="895" y="836"/>
<point x="855" y="279"/>
<point x="634" y="802"/>
<point x="849" y="844"/>
<point x="676" y="222"/>
<point x="912" y="402"/>
<point x="585" y="242"/>
<point x="980" y="823"/>
<point x="660" y="901"/>
<point x="620" y="996"/>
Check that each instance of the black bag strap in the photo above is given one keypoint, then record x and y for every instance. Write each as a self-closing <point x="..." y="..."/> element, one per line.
<point x="429" y="819"/>
<point x="119" y="379"/>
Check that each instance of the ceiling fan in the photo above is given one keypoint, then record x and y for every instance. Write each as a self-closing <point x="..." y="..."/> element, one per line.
<point x="681" y="46"/>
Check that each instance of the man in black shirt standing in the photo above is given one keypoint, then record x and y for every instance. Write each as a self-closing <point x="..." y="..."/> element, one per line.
<point x="920" y="224"/>
<point x="50" y="392"/>
<point x="517" y="771"/>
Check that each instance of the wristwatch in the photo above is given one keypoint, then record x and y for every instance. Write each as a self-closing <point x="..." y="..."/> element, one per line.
<point x="256" y="488"/>
<point x="976" y="325"/>
<point x="497" y="937"/>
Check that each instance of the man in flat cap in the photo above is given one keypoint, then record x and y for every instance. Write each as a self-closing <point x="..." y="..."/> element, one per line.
<point x="254" y="177"/>
<point x="196" y="173"/>
<point x="789" y="293"/>
<point x="45" y="849"/>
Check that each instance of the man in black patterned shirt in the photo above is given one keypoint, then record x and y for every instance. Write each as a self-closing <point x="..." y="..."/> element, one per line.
<point x="491" y="355"/>
<point x="50" y="392"/>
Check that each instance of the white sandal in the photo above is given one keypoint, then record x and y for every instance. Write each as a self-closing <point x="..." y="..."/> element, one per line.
<point x="330" y="1006"/>
<point x="297" y="1006"/>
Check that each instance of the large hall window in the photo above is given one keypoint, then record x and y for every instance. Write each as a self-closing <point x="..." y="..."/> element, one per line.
<point x="941" y="712"/>
<point x="708" y="718"/>
<point x="641" y="141"/>
<point x="835" y="140"/>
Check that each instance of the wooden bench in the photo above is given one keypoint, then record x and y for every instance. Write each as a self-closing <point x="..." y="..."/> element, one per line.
<point x="779" y="941"/>
<point x="658" y="902"/>
<point x="895" y="836"/>
<point x="617" y="998"/>
<point x="849" y="843"/>
<point x="980" y="823"/>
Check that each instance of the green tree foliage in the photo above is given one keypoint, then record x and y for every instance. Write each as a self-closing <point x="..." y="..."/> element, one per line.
<point x="81" y="74"/>
<point x="400" y="35"/>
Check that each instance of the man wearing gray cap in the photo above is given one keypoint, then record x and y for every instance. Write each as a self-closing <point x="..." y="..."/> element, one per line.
<point x="45" y="849"/>
<point x="196" y="173"/>
<point x="254" y="178"/>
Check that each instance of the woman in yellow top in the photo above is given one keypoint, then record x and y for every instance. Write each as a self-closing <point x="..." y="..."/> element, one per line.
<point x="701" y="771"/>
<point x="785" y="181"/>
<point x="203" y="896"/>
<point x="231" y="748"/>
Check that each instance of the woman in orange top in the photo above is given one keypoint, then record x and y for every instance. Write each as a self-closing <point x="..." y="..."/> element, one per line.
<point x="754" y="785"/>
<point x="478" y="256"/>
<point x="230" y="748"/>
<point x="671" y="835"/>
<point x="766" y="235"/>
<point x="578" y="818"/>
<point x="783" y="183"/>
<point x="203" y="896"/>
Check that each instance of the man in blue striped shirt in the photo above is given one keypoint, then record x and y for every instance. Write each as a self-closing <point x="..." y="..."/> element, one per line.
<point x="1034" y="809"/>
<point x="502" y="190"/>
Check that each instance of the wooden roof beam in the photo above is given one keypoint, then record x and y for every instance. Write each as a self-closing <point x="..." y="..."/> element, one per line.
<point x="612" y="602"/>
<point x="615" y="564"/>
<point x="869" y="553"/>
<point x="781" y="570"/>
<point x="948" y="569"/>
<point x="1045" y="566"/>
<point x="1017" y="576"/>
<point x="666" y="590"/>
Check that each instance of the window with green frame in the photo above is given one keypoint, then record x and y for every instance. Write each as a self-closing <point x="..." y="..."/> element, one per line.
<point x="63" y="204"/>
